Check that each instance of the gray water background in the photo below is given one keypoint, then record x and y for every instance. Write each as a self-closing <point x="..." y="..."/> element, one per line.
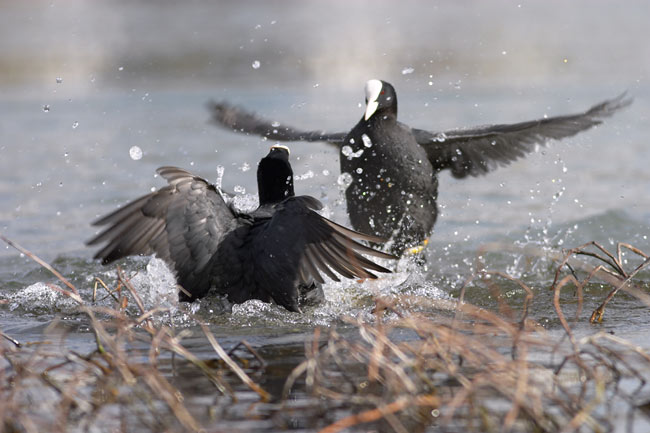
<point x="81" y="83"/>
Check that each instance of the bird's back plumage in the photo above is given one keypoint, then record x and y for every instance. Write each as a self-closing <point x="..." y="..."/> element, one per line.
<point x="269" y="254"/>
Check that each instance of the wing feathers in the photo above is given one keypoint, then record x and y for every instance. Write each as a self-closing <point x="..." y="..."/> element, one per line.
<point x="240" y="120"/>
<point x="476" y="151"/>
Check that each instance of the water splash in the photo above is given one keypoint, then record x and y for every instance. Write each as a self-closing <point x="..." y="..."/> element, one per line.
<point x="245" y="202"/>
<point x="344" y="180"/>
<point x="349" y="153"/>
<point x="367" y="142"/>
<point x="220" y="170"/>
<point x="157" y="285"/>
<point x="41" y="298"/>
<point x="307" y="175"/>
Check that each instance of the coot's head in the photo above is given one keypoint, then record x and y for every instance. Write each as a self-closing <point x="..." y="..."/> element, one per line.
<point x="275" y="176"/>
<point x="381" y="99"/>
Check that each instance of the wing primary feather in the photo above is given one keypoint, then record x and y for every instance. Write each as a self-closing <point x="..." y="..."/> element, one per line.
<point x="121" y="212"/>
<point x="341" y="263"/>
<point x="348" y="251"/>
<point x="350" y="260"/>
<point x="311" y="267"/>
<point x="329" y="261"/>
<point x="319" y="264"/>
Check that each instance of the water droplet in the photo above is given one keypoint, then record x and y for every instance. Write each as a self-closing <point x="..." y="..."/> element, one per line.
<point x="135" y="153"/>
<point x="326" y="172"/>
<point x="308" y="175"/>
<point x="366" y="140"/>
<point x="75" y="124"/>
<point x="220" y="170"/>
<point x="256" y="64"/>
<point x="351" y="140"/>
<point x="316" y="85"/>
<point x="347" y="151"/>
<point x="408" y="70"/>
<point x="121" y="68"/>
<point x="275" y="124"/>
<point x="504" y="52"/>
<point x="46" y="108"/>
<point x="440" y="137"/>
<point x="245" y="167"/>
<point x="359" y="170"/>
<point x="344" y="180"/>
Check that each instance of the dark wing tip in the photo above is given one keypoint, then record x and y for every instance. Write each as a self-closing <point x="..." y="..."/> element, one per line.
<point x="229" y="115"/>
<point x="609" y="107"/>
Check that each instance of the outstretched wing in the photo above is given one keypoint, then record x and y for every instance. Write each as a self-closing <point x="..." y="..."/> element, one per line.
<point x="240" y="120"/>
<point x="182" y="223"/>
<point x="476" y="151"/>
<point x="297" y="245"/>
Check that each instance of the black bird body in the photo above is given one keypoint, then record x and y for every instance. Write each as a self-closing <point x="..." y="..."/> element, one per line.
<point x="395" y="199"/>
<point x="394" y="167"/>
<point x="270" y="254"/>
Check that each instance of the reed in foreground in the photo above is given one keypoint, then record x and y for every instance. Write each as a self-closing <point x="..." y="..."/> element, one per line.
<point x="420" y="364"/>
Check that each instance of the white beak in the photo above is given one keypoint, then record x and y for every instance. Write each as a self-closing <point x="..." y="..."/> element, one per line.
<point x="373" y="89"/>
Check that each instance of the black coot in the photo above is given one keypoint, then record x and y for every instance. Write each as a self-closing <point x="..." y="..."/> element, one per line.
<point x="272" y="253"/>
<point x="394" y="167"/>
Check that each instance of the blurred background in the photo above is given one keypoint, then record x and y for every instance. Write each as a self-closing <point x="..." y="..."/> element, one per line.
<point x="95" y="95"/>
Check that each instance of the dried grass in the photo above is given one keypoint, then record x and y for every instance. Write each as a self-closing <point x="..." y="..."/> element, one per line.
<point x="45" y="386"/>
<point x="479" y="370"/>
<point x="421" y="365"/>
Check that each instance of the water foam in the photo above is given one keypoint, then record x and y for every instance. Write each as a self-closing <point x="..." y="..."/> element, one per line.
<point x="41" y="298"/>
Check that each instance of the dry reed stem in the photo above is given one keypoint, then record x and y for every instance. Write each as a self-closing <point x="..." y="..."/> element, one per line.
<point x="380" y="412"/>
<point x="467" y="350"/>
<point x="110" y="364"/>
<point x="470" y="368"/>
